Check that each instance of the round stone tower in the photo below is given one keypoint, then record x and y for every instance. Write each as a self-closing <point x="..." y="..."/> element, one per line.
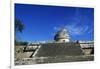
<point x="62" y="36"/>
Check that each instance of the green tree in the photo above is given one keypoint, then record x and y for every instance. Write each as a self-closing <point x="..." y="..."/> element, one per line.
<point x="19" y="27"/>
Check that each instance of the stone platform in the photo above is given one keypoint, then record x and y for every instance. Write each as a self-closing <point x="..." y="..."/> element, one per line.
<point x="59" y="49"/>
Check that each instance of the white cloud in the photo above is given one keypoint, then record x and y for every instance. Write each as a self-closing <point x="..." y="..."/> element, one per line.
<point x="75" y="29"/>
<point x="55" y="28"/>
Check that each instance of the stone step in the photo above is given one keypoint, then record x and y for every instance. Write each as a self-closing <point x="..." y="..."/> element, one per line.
<point x="59" y="49"/>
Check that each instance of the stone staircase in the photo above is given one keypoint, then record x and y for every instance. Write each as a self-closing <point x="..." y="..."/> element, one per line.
<point x="59" y="49"/>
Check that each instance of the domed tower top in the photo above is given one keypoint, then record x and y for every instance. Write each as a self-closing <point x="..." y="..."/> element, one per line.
<point x="62" y="35"/>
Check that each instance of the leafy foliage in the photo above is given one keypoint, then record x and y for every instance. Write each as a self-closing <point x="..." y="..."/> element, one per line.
<point x="19" y="26"/>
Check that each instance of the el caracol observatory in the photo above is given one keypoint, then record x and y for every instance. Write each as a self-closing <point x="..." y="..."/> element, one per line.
<point x="62" y="36"/>
<point x="61" y="46"/>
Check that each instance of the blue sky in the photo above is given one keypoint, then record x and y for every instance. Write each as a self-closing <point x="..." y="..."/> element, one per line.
<point x="41" y="21"/>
